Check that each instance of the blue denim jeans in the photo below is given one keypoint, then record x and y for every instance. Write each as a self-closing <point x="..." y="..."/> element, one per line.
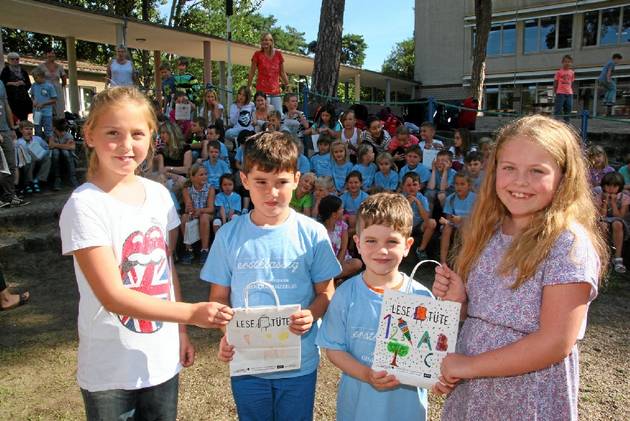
<point x="610" y="88"/>
<point x="57" y="155"/>
<point x="156" y="403"/>
<point x="274" y="399"/>
<point x="563" y="104"/>
<point x="276" y="101"/>
<point x="44" y="129"/>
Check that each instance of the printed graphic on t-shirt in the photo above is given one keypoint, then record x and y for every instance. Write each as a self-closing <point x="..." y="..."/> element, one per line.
<point x="244" y="118"/>
<point x="144" y="268"/>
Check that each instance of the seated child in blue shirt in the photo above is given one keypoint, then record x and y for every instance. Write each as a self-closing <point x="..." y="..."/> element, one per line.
<point x="290" y="251"/>
<point x="341" y="165"/>
<point x="227" y="203"/>
<point x="215" y="166"/>
<point x="413" y="156"/>
<point x="215" y="132"/>
<point x="321" y="164"/>
<point x="353" y="197"/>
<point x="474" y="169"/>
<point x="62" y="147"/>
<point x="365" y="165"/>
<point x="198" y="197"/>
<point x="423" y="224"/>
<point x="442" y="178"/>
<point x="304" y="165"/>
<point x="457" y="206"/>
<point x="387" y="175"/>
<point x="238" y="164"/>
<point x="36" y="158"/>
<point x="348" y="330"/>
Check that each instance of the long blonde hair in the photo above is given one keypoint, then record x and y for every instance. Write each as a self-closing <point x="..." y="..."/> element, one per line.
<point x="572" y="203"/>
<point x="113" y="97"/>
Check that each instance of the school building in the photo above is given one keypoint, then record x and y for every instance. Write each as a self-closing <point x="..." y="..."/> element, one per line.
<point x="527" y="41"/>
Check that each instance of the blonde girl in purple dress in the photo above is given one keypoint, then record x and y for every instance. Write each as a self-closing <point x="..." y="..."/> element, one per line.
<point x="528" y="268"/>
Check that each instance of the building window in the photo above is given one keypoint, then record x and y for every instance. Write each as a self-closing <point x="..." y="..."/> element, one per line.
<point x="607" y="27"/>
<point x="501" y="39"/>
<point x="549" y="33"/>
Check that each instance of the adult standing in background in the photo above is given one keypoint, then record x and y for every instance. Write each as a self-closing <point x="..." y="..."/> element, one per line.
<point x="120" y="71"/>
<point x="56" y="76"/>
<point x="270" y="66"/>
<point x="17" y="84"/>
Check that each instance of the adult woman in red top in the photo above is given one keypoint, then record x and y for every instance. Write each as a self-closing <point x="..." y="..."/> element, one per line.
<point x="270" y="65"/>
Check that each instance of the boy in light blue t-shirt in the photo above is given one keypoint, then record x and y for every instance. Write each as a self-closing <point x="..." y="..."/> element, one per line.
<point x="215" y="166"/>
<point x="290" y="251"/>
<point x="348" y="330"/>
<point x="457" y="207"/>
<point x="413" y="157"/>
<point x="44" y="97"/>
<point x="321" y="163"/>
<point x="442" y="179"/>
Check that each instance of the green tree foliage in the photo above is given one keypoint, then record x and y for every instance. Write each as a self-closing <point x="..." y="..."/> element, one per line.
<point x="353" y="48"/>
<point x="400" y="62"/>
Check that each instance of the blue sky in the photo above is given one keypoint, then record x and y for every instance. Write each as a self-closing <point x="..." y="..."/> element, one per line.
<point x="381" y="23"/>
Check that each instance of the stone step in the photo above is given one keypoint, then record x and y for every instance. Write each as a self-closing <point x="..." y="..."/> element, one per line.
<point x="16" y="244"/>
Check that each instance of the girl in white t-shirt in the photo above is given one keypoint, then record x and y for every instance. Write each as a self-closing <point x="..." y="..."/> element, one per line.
<point x="121" y="230"/>
<point x="350" y="134"/>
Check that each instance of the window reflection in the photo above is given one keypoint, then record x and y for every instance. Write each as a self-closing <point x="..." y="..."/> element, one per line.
<point x="589" y="33"/>
<point x="547" y="33"/>
<point x="610" y="26"/>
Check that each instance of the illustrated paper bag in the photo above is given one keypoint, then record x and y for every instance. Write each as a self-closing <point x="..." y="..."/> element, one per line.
<point x="314" y="139"/>
<point x="183" y="111"/>
<point x="414" y="334"/>
<point x="428" y="156"/>
<point x="261" y="337"/>
<point x="191" y="234"/>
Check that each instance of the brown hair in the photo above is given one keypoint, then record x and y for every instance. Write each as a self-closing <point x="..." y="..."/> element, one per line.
<point x="111" y="98"/>
<point x="388" y="209"/>
<point x="270" y="152"/>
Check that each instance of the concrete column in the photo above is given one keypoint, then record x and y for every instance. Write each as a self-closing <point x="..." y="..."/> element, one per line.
<point x="395" y="96"/>
<point x="207" y="62"/>
<point x="1" y="50"/>
<point x="388" y="91"/>
<point x="413" y="92"/>
<point x="157" y="60"/>
<point x="223" y="84"/>
<point x="372" y="94"/>
<point x="357" y="87"/>
<point x="73" y="79"/>
<point x="121" y="35"/>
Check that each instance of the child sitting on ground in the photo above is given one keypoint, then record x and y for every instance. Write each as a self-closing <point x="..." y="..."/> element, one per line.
<point x="61" y="145"/>
<point x="457" y="207"/>
<point x="227" y="203"/>
<point x="473" y="169"/>
<point x="384" y="229"/>
<point x="413" y="156"/>
<point x="598" y="165"/>
<point x="387" y="176"/>
<point x="322" y="187"/>
<point x="196" y="139"/>
<point x="365" y="165"/>
<point x="331" y="215"/>
<point x="214" y="166"/>
<point x="462" y="145"/>
<point x="215" y="132"/>
<point x="350" y="134"/>
<point x="326" y="124"/>
<point x="297" y="259"/>
<point x="294" y="120"/>
<point x="304" y="165"/>
<point x="423" y="224"/>
<point x="400" y="143"/>
<point x="198" y="204"/>
<point x="274" y="121"/>
<point x="321" y="164"/>
<point x="341" y="165"/>
<point x="183" y="123"/>
<point x="36" y="158"/>
<point x="427" y="132"/>
<point x="613" y="203"/>
<point x="442" y="179"/>
<point x="353" y="197"/>
<point x="302" y="198"/>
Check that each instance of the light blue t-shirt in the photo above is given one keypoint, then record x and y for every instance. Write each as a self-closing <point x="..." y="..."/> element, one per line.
<point x="24" y="144"/>
<point x="603" y="76"/>
<point x="223" y="153"/>
<point x="388" y="182"/>
<point x="229" y="203"/>
<point x="43" y="92"/>
<point x="423" y="172"/>
<point x="350" y="325"/>
<point x="339" y="173"/>
<point x="367" y="172"/>
<point x="459" y="207"/>
<point x="304" y="165"/>
<point x="625" y="172"/>
<point x="216" y="171"/>
<point x="321" y="164"/>
<point x="450" y="178"/>
<point x="292" y="256"/>
<point x="351" y="204"/>
<point x="238" y="156"/>
<point x="417" y="218"/>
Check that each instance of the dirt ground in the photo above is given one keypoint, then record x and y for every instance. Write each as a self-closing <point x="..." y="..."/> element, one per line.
<point x="38" y="354"/>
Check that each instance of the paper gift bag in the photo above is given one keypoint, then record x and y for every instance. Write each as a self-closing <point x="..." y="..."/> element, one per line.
<point x="261" y="337"/>
<point x="414" y="335"/>
<point x="37" y="150"/>
<point x="4" y="167"/>
<point x="428" y="156"/>
<point x="191" y="235"/>
<point x="183" y="111"/>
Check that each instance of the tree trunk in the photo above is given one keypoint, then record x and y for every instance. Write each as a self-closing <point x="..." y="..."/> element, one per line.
<point x="328" y="49"/>
<point x="483" y="22"/>
<point x="146" y="76"/>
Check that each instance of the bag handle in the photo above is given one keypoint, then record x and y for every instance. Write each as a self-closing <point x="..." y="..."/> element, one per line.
<point x="420" y="263"/>
<point x="259" y="284"/>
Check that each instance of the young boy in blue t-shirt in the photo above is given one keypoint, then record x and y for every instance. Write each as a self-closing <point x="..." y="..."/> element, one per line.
<point x="413" y="156"/>
<point x="44" y="97"/>
<point x="442" y="178"/>
<point x="423" y="224"/>
<point x="383" y="238"/>
<point x="321" y="163"/>
<point x="457" y="207"/>
<point x="286" y="249"/>
<point x="216" y="167"/>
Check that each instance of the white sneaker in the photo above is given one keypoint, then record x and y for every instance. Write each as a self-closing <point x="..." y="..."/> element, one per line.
<point x="618" y="264"/>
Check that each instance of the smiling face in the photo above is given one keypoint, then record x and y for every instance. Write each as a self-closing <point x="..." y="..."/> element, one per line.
<point x="266" y="42"/>
<point x="261" y="103"/>
<point x="305" y="185"/>
<point x="599" y="160"/>
<point x="200" y="178"/>
<point x="120" y="137"/>
<point x="339" y="154"/>
<point x="353" y="184"/>
<point x="427" y="133"/>
<point x="525" y="183"/>
<point x="211" y="97"/>
<point x="375" y="129"/>
<point x="382" y="249"/>
<point x="270" y="193"/>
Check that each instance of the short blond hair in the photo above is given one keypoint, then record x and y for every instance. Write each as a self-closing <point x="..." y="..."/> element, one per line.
<point x="388" y="209"/>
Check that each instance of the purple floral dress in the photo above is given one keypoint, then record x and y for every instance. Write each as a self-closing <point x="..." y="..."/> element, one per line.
<point x="499" y="316"/>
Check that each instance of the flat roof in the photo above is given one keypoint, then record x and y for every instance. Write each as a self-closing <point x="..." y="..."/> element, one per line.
<point x="46" y="17"/>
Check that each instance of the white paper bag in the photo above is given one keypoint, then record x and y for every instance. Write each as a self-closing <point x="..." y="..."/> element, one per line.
<point x="183" y="111"/>
<point x="191" y="235"/>
<point x="414" y="334"/>
<point x="428" y="156"/>
<point x="314" y="138"/>
<point x="261" y="337"/>
<point x="37" y="150"/>
<point x="37" y="117"/>
<point x="4" y="167"/>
